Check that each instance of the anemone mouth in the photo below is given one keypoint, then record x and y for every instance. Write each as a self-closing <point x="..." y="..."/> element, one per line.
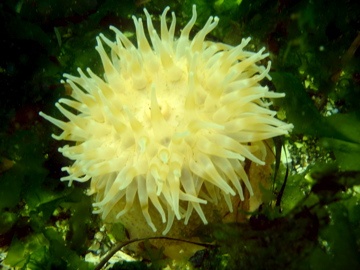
<point x="170" y="124"/>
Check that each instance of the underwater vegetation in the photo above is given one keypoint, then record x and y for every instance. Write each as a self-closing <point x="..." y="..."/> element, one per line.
<point x="309" y="217"/>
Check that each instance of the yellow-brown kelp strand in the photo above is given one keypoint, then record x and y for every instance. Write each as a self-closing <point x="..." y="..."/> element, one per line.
<point x="169" y="124"/>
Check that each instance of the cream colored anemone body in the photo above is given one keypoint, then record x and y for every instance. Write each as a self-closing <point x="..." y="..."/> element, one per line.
<point x="169" y="124"/>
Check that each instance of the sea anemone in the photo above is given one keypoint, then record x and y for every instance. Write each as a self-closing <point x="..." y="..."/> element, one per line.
<point x="170" y="124"/>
